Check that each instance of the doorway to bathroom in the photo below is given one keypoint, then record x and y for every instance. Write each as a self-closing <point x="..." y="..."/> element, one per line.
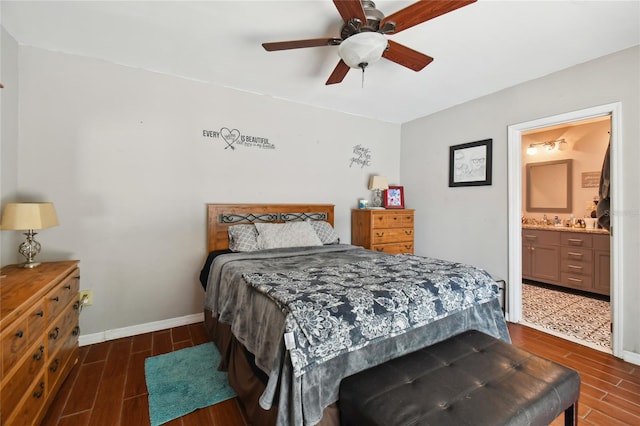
<point x="566" y="274"/>
<point x="577" y="137"/>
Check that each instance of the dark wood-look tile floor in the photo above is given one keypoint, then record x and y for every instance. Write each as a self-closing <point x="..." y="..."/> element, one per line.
<point x="107" y="386"/>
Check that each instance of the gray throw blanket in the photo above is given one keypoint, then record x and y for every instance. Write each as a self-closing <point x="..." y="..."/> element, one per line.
<point x="337" y="309"/>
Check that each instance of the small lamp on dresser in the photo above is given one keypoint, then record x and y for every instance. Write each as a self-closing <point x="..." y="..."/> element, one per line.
<point x="27" y="217"/>
<point x="377" y="184"/>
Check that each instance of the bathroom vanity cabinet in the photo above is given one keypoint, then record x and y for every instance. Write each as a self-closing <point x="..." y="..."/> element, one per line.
<point x="567" y="257"/>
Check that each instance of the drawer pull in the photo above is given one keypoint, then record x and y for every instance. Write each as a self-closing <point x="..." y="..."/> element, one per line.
<point x="55" y="299"/>
<point x="38" y="355"/>
<point x="408" y="232"/>
<point x="19" y="334"/>
<point x="54" y="334"/>
<point x="379" y="248"/>
<point x="40" y="313"/>
<point x="571" y="253"/>
<point x="76" y="330"/>
<point x="379" y="234"/>
<point x="575" y="267"/>
<point x="76" y="306"/>
<point x="531" y="237"/>
<point x="67" y="287"/>
<point x="38" y="394"/>
<point x="54" y="366"/>
<point x="575" y="241"/>
<point x="408" y="246"/>
<point x="575" y="279"/>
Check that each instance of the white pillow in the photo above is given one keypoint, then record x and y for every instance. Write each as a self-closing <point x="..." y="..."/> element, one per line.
<point x="325" y="232"/>
<point x="243" y="238"/>
<point x="290" y="234"/>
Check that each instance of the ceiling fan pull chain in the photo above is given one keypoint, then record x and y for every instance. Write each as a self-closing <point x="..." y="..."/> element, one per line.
<point x="363" y="65"/>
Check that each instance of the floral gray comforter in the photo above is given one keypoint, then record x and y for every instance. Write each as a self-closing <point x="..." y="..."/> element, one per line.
<point x="335" y="309"/>
<point x="347" y="309"/>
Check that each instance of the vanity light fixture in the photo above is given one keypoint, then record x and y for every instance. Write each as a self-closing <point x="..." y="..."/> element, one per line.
<point x="547" y="146"/>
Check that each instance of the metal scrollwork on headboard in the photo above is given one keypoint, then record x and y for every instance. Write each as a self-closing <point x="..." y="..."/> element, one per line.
<point x="271" y="217"/>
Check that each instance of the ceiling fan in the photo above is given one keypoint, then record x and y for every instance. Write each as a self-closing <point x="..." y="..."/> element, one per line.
<point x="363" y="35"/>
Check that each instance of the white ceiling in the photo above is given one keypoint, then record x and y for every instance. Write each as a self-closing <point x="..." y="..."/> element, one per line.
<point x="478" y="49"/>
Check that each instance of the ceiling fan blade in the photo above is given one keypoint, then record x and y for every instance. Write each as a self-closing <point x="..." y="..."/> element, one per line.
<point x="350" y="9"/>
<point x="339" y="73"/>
<point x="406" y="57"/>
<point x="422" y="11"/>
<point x="297" y="44"/>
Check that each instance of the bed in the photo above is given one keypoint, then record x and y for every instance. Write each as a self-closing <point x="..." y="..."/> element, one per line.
<point x="291" y="321"/>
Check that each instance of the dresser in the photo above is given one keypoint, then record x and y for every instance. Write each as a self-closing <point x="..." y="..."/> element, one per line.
<point x="388" y="231"/>
<point x="568" y="258"/>
<point x="39" y="337"/>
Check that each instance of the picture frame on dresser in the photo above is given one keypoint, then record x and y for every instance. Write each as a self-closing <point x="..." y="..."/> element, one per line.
<point x="470" y="163"/>
<point x="394" y="197"/>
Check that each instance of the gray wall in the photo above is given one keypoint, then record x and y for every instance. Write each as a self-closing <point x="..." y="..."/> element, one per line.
<point x="8" y="134"/>
<point x="121" y="153"/>
<point x="469" y="224"/>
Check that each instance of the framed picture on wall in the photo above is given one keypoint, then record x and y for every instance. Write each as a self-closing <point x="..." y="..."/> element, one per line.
<point x="470" y="164"/>
<point x="394" y="197"/>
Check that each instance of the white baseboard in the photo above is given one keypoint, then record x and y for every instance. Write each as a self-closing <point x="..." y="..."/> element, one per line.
<point x="103" y="336"/>
<point x="631" y="357"/>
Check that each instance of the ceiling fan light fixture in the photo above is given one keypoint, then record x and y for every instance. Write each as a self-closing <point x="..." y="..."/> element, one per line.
<point x="362" y="49"/>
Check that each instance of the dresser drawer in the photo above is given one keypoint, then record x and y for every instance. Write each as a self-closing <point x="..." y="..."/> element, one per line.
<point x="14" y="344"/>
<point x="30" y="406"/>
<point x="15" y="388"/>
<point x="36" y="322"/>
<point x="580" y="282"/>
<point x="392" y="220"/>
<point x="61" y="328"/>
<point x="395" y="248"/>
<point x="576" y="255"/>
<point x="574" y="239"/>
<point x="392" y="235"/>
<point x="532" y="236"/>
<point x="63" y="360"/>
<point x="62" y="294"/>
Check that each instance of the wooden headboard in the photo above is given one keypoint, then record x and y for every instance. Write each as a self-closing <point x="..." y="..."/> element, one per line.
<point x="221" y="216"/>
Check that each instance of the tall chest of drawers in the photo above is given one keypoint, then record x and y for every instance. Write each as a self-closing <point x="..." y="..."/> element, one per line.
<point x="388" y="231"/>
<point x="39" y="337"/>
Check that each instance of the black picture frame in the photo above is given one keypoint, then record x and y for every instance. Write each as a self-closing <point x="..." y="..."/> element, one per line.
<point x="470" y="163"/>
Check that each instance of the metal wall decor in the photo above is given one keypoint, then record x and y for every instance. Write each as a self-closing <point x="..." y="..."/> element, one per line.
<point x="361" y="156"/>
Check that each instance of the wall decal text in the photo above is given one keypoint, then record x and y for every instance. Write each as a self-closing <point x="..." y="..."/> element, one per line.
<point x="233" y="137"/>
<point x="361" y="156"/>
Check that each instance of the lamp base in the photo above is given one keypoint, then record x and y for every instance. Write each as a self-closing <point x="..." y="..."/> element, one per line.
<point x="29" y="265"/>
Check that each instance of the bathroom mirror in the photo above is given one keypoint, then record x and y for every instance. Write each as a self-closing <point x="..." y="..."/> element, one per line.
<point x="549" y="186"/>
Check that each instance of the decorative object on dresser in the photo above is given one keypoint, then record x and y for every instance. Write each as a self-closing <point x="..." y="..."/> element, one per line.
<point x="575" y="259"/>
<point x="39" y="335"/>
<point x="27" y="217"/>
<point x="377" y="184"/>
<point x="388" y="231"/>
<point x="394" y="197"/>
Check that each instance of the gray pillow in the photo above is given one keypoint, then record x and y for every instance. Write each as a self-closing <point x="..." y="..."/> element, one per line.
<point x="243" y="238"/>
<point x="290" y="234"/>
<point x="325" y="232"/>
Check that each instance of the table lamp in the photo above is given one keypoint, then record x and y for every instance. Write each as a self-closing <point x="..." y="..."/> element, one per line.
<point x="377" y="184"/>
<point x="29" y="216"/>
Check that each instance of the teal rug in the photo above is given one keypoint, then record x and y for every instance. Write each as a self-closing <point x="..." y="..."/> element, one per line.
<point x="183" y="381"/>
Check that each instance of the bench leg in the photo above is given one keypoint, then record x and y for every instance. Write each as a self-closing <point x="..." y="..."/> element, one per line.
<point x="571" y="415"/>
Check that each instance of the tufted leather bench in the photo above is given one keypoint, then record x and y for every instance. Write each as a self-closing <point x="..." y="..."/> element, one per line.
<point x="469" y="379"/>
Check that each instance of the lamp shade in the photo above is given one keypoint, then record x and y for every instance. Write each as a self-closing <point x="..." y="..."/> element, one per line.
<point x="22" y="216"/>
<point x="378" y="182"/>
<point x="362" y="49"/>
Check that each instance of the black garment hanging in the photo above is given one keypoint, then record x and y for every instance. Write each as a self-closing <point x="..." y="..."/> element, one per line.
<point x="603" y="213"/>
